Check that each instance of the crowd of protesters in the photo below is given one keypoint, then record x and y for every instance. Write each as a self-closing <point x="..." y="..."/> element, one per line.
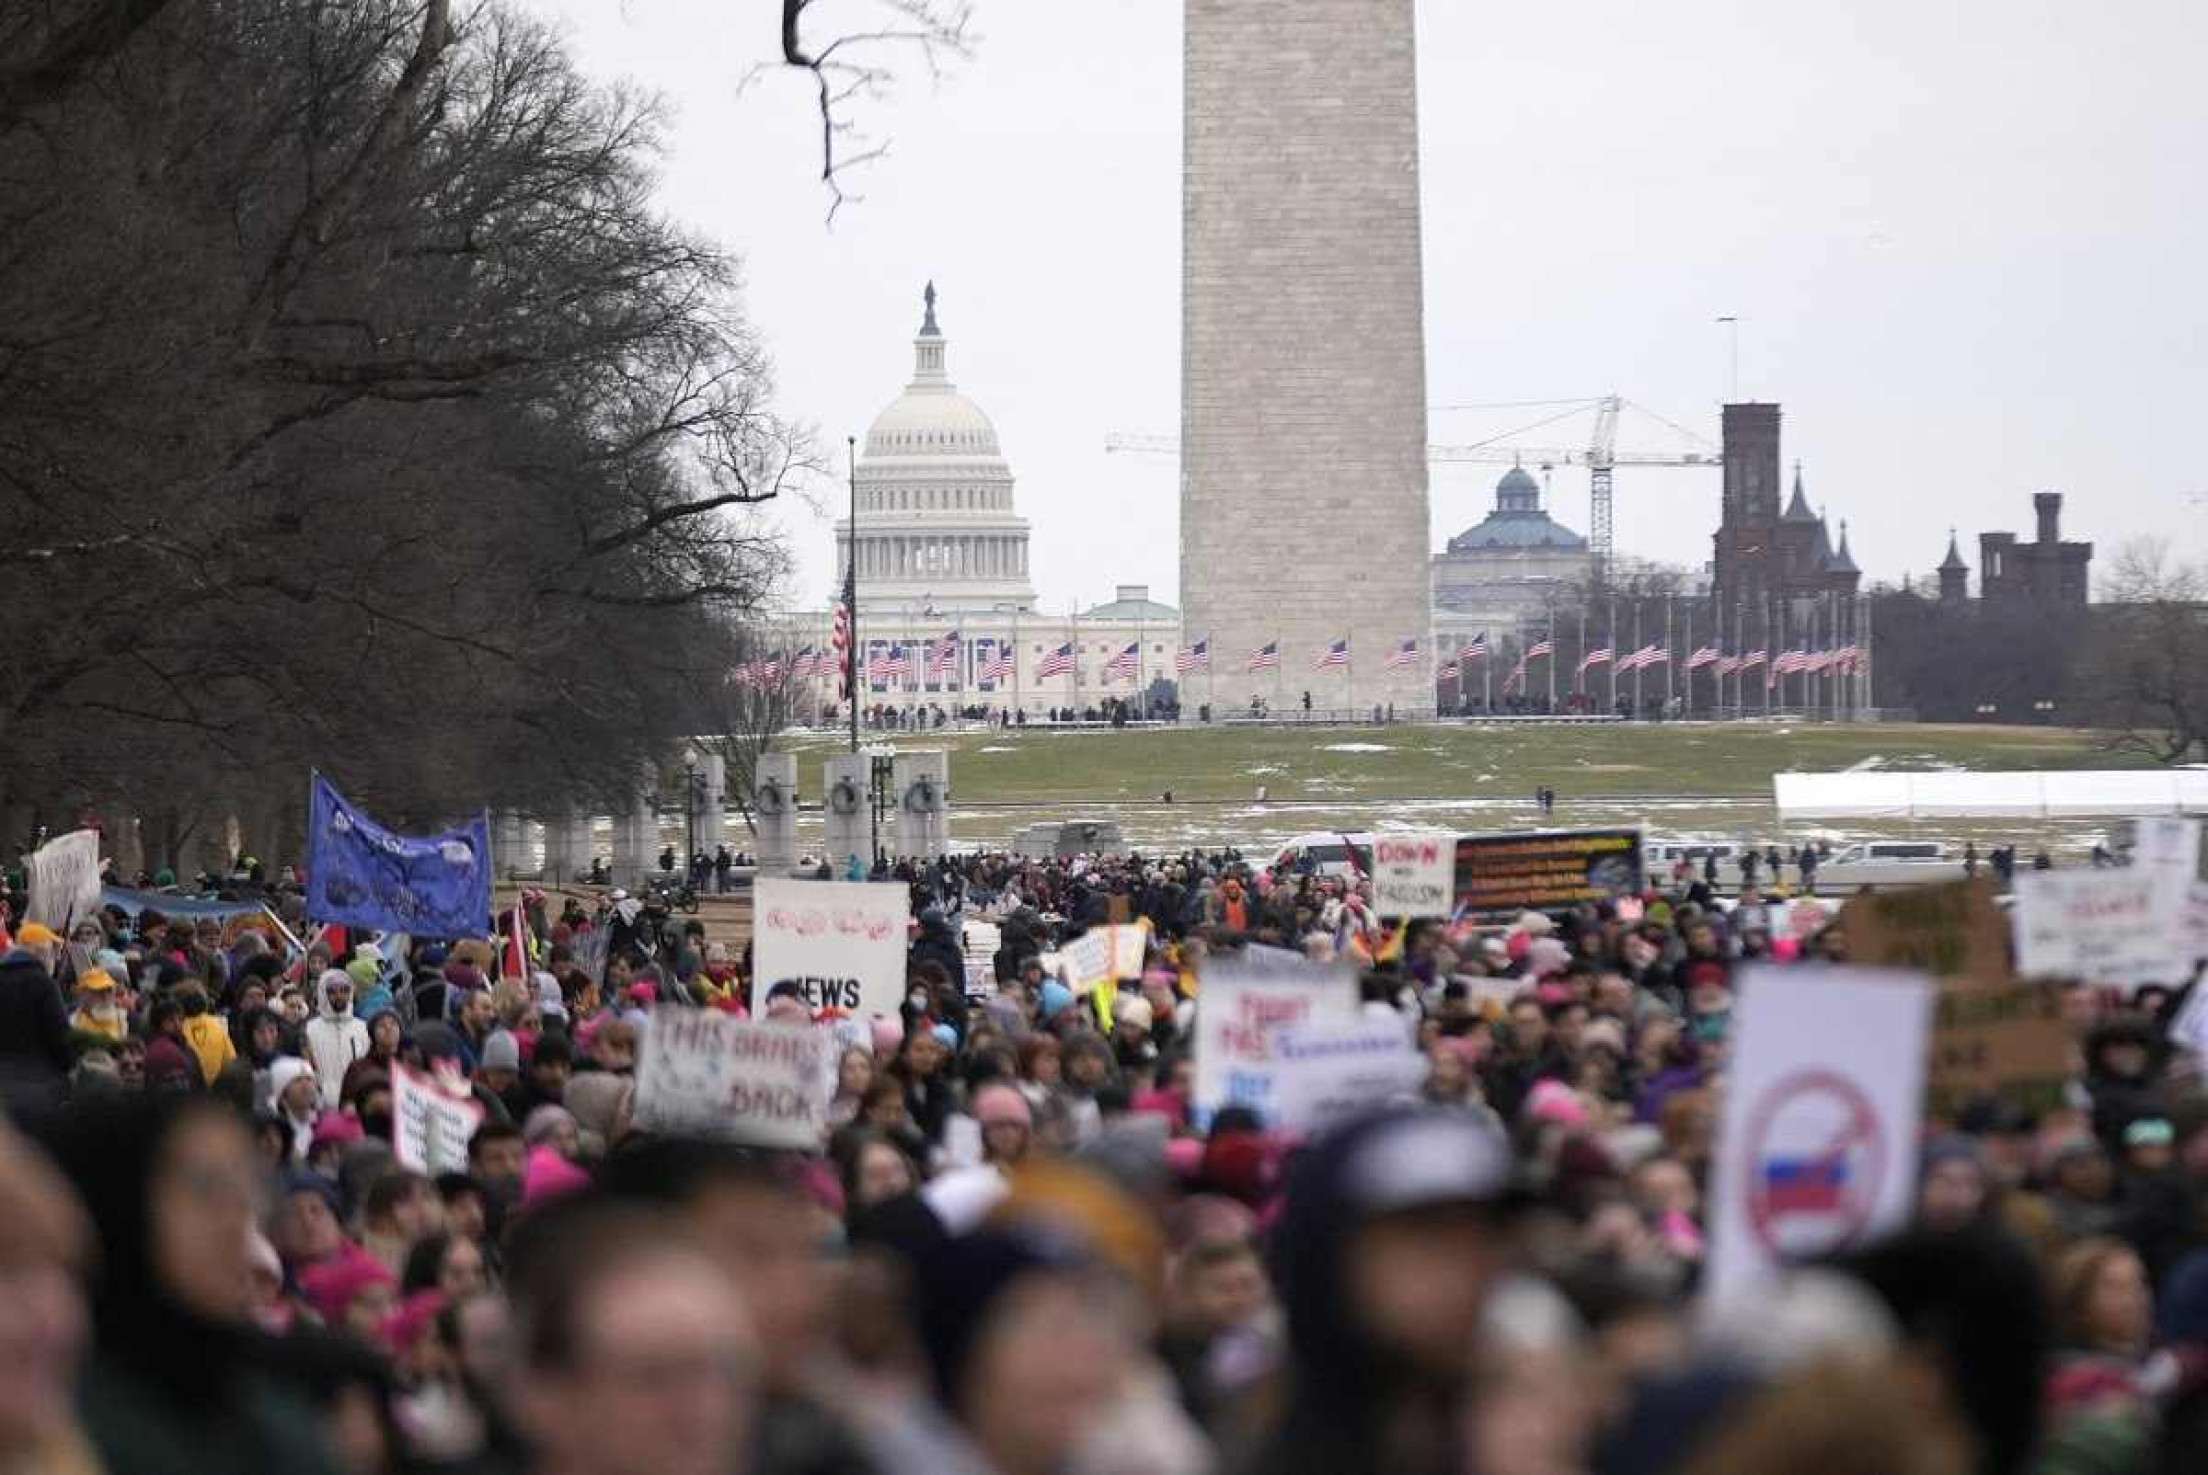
<point x="1023" y="1250"/>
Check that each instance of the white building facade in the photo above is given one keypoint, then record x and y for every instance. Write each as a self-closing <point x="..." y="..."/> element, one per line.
<point x="947" y="612"/>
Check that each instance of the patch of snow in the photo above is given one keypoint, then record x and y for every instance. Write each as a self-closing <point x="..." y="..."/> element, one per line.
<point x="1264" y="768"/>
<point x="1356" y="748"/>
<point x="1866" y="765"/>
<point x="996" y="750"/>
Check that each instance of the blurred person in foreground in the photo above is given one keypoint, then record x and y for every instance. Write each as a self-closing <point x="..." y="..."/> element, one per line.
<point x="1383" y="1257"/>
<point x="43" y="1241"/>
<point x="181" y="1380"/>
<point x="632" y="1352"/>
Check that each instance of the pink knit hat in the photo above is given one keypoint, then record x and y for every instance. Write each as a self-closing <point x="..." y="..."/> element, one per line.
<point x="331" y="1286"/>
<point x="1553" y="1101"/>
<point x="546" y="1176"/>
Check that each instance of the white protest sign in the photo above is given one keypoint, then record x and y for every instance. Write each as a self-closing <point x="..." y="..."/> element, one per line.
<point x="1325" y="1072"/>
<point x="2102" y="926"/>
<point x="2176" y="847"/>
<point x="700" y="1071"/>
<point x="1414" y="875"/>
<point x="1105" y="953"/>
<point x="1817" y="1152"/>
<point x="1244" y="1002"/>
<point x="430" y="1126"/>
<point x="64" y="876"/>
<point x="841" y="942"/>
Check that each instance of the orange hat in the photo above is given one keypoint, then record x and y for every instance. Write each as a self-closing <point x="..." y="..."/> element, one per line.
<point x="97" y="981"/>
<point x="38" y="933"/>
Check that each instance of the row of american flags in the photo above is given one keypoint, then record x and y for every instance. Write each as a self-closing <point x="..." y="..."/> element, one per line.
<point x="939" y="658"/>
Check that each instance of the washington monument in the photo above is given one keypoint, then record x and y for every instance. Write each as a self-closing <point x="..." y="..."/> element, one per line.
<point x="1303" y="372"/>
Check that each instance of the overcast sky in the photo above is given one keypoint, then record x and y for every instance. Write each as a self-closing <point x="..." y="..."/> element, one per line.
<point x="1965" y="241"/>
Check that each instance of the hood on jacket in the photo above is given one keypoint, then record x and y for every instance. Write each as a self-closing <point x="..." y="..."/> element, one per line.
<point x="336" y="977"/>
<point x="281" y="1073"/>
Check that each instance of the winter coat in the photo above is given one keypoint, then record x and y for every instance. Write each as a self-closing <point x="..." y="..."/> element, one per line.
<point x="334" y="1040"/>
<point x="34" y="1034"/>
<point x="209" y="1039"/>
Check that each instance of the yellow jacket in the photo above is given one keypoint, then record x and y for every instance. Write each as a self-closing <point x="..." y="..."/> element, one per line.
<point x="209" y="1038"/>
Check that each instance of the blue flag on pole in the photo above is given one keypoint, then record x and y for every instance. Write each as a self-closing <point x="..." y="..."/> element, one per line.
<point x="363" y="875"/>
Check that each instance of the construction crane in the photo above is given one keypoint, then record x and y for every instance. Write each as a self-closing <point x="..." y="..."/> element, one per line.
<point x="1600" y="456"/>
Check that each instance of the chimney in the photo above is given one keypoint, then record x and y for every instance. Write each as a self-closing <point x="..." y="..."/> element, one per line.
<point x="2049" y="507"/>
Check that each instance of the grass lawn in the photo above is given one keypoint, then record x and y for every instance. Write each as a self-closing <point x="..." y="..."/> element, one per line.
<point x="1676" y="778"/>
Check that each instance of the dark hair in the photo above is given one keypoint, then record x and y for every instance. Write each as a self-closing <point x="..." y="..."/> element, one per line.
<point x="388" y="1190"/>
<point x="425" y="1263"/>
<point x="456" y="1185"/>
<point x="553" y="1048"/>
<point x="491" y="1132"/>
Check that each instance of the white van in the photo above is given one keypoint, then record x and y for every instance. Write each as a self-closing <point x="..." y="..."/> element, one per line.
<point x="1888" y="863"/>
<point x="1325" y="853"/>
<point x="1661" y="855"/>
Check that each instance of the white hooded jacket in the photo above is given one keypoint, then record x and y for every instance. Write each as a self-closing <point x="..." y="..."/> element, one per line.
<point x="334" y="1038"/>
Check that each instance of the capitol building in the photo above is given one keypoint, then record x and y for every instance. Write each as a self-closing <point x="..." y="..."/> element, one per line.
<point x="946" y="601"/>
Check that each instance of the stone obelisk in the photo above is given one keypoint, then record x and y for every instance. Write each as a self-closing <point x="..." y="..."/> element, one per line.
<point x="1303" y="372"/>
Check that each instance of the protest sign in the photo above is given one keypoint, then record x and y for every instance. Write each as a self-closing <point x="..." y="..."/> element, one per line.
<point x="1992" y="1036"/>
<point x="841" y="942"/>
<point x="1498" y="876"/>
<point x="363" y="875"/>
<point x="1245" y="1001"/>
<point x="1816" y="1153"/>
<point x="702" y="1071"/>
<point x="2101" y="926"/>
<point x="1105" y="954"/>
<point x="2007" y="1042"/>
<point x="1327" y="1071"/>
<point x="430" y="1125"/>
<point x="1414" y="875"/>
<point x="1952" y="930"/>
<point x="2176" y="848"/>
<point x="64" y="879"/>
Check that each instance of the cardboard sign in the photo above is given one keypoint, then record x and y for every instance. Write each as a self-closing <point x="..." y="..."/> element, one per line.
<point x="1499" y="876"/>
<point x="1324" y="1073"/>
<point x="842" y="942"/>
<point x="2102" y="926"/>
<point x="1951" y="931"/>
<point x="430" y="1125"/>
<point x="1414" y="875"/>
<point x="1245" y="1001"/>
<point x="1817" y="1151"/>
<point x="702" y="1072"/>
<point x="2007" y="1042"/>
<point x="1992" y="1036"/>
<point x="64" y="879"/>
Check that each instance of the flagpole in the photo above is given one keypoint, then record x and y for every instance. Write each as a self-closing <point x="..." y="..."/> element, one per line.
<point x="1687" y="709"/>
<point x="1612" y="663"/>
<point x="1669" y="659"/>
<point x="1579" y="671"/>
<point x="1487" y="683"/>
<point x="1280" y="671"/>
<point x="1637" y="663"/>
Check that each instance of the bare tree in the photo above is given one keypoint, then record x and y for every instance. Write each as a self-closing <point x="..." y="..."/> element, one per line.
<point x="2149" y="655"/>
<point x="858" y="65"/>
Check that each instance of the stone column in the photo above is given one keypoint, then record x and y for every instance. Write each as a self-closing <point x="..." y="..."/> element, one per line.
<point x="712" y="800"/>
<point x="506" y="857"/>
<point x="636" y="843"/>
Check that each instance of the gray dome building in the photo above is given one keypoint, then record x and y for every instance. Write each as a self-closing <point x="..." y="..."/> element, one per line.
<point x="1505" y="568"/>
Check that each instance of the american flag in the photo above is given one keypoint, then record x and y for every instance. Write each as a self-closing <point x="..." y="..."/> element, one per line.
<point x="1474" y="649"/>
<point x="1645" y="656"/>
<point x="1599" y="656"/>
<point x="1336" y="654"/>
<point x="1790" y="661"/>
<point x="894" y="665"/>
<point x="1195" y="657"/>
<point x="1124" y="663"/>
<point x="1654" y="655"/>
<point x="1517" y="676"/>
<point x="1538" y="649"/>
<point x="1266" y="657"/>
<point x="1727" y="665"/>
<point x="1708" y="655"/>
<point x="1750" y="661"/>
<point x="997" y="666"/>
<point x="1403" y="655"/>
<point x="943" y="655"/>
<point x="1057" y="663"/>
<point x="770" y="669"/>
<point x="805" y="665"/>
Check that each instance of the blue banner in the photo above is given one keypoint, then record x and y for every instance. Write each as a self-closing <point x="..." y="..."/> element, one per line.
<point x="362" y="875"/>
